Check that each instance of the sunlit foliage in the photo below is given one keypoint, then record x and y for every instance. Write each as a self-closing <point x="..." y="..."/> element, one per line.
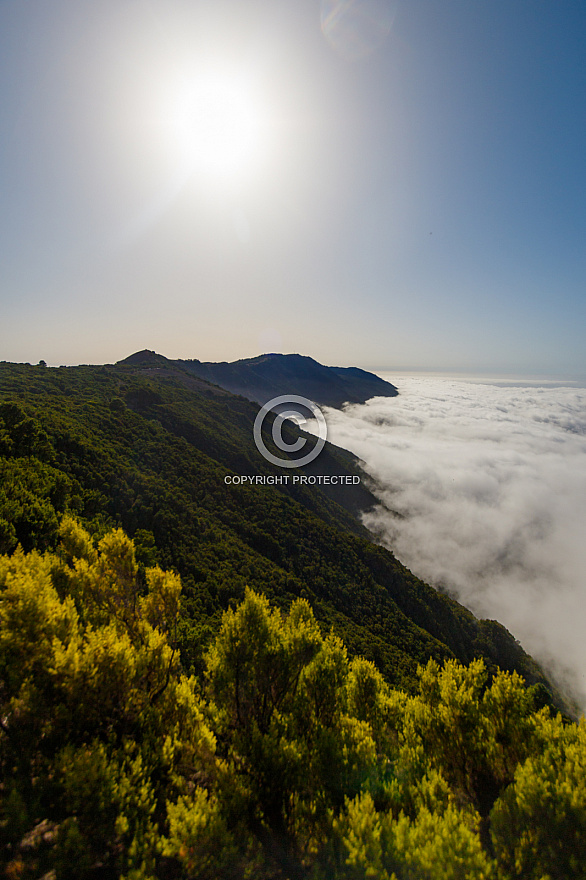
<point x="285" y="758"/>
<point x="148" y="450"/>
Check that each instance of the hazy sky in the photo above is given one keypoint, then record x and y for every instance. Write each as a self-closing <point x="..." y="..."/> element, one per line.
<point x="391" y="185"/>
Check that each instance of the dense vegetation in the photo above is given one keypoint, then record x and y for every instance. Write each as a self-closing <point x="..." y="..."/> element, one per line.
<point x="285" y="758"/>
<point x="202" y="680"/>
<point x="147" y="448"/>
<point x="269" y="375"/>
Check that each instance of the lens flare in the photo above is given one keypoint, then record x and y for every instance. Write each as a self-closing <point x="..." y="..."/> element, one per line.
<point x="357" y="28"/>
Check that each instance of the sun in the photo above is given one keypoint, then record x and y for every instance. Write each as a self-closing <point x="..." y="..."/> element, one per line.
<point x="219" y="126"/>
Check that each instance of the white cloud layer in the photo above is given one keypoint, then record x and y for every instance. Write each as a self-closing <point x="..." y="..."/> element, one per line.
<point x="489" y="484"/>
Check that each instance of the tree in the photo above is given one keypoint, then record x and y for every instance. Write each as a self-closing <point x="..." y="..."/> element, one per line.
<point x="99" y="727"/>
<point x="539" y="822"/>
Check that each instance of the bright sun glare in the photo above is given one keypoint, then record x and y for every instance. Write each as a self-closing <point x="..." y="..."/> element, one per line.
<point x="219" y="126"/>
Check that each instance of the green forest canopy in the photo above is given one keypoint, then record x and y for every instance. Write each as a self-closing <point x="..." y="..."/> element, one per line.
<point x="201" y="681"/>
<point x="284" y="758"/>
<point x="148" y="449"/>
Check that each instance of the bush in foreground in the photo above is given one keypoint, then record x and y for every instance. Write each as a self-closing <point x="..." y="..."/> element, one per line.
<point x="287" y="759"/>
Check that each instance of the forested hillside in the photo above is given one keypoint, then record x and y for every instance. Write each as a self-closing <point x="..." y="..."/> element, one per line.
<point x="285" y="758"/>
<point x="148" y="447"/>
<point x="207" y="680"/>
<point x="264" y="377"/>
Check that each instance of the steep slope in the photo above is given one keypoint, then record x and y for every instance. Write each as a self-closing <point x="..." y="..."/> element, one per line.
<point x="150" y="447"/>
<point x="269" y="375"/>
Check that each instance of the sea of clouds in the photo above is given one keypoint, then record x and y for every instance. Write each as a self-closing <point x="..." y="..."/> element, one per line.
<point x="483" y="494"/>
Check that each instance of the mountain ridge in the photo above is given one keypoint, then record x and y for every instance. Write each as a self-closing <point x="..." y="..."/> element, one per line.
<point x="141" y="447"/>
<point x="270" y="375"/>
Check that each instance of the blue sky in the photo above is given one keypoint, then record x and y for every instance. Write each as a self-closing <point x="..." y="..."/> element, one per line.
<point x="392" y="185"/>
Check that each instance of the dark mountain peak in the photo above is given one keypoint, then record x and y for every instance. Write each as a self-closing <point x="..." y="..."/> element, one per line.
<point x="271" y="374"/>
<point x="144" y="357"/>
<point x="275" y="358"/>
